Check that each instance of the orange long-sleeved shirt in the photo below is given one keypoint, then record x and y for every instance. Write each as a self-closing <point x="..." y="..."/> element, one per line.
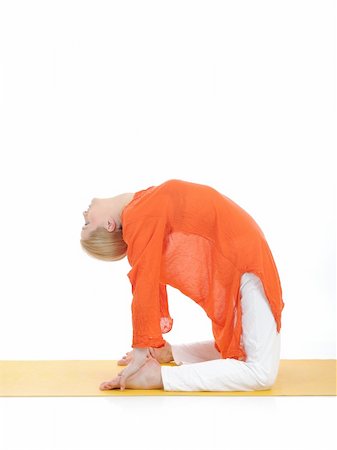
<point x="193" y="238"/>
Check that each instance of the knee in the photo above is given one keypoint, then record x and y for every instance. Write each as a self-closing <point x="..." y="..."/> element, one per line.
<point x="265" y="384"/>
<point x="265" y="379"/>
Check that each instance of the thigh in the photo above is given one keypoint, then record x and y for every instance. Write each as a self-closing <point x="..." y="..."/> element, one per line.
<point x="259" y="333"/>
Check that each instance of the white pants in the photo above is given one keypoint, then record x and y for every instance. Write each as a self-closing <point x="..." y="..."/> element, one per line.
<point x="201" y="368"/>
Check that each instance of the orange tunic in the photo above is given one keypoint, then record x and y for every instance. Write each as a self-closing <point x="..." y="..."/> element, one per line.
<point x="197" y="240"/>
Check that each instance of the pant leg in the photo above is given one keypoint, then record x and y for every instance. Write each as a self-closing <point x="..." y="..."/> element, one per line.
<point x="194" y="352"/>
<point x="262" y="346"/>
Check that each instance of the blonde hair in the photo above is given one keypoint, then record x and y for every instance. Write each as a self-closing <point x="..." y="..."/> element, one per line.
<point x="105" y="245"/>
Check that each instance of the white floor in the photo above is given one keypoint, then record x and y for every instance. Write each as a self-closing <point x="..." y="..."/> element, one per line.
<point x="164" y="423"/>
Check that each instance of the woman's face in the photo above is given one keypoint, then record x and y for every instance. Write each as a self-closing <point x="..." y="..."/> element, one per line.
<point x="100" y="213"/>
<point x="92" y="217"/>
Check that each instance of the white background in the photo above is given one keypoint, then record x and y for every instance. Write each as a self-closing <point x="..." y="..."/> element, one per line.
<point x="99" y="98"/>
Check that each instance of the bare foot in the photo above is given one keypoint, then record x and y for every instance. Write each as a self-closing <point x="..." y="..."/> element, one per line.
<point x="147" y="377"/>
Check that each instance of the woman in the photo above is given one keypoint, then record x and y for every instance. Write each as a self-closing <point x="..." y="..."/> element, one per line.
<point x="193" y="238"/>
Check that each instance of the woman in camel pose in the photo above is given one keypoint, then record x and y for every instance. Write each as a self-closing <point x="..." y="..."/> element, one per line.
<point x="195" y="239"/>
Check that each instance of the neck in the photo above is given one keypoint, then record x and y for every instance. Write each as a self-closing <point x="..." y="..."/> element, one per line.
<point x="118" y="203"/>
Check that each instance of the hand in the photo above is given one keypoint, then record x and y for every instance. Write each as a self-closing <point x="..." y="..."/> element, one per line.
<point x="127" y="358"/>
<point x="162" y="355"/>
<point x="139" y="357"/>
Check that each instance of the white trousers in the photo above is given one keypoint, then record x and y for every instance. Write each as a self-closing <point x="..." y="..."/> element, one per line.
<point x="201" y="368"/>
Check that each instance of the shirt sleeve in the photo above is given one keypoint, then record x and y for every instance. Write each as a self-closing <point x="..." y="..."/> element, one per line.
<point x="150" y="316"/>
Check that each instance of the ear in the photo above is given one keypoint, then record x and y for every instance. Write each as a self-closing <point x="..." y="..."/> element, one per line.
<point x="111" y="225"/>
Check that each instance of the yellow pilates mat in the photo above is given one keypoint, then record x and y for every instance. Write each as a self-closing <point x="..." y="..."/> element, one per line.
<point x="82" y="379"/>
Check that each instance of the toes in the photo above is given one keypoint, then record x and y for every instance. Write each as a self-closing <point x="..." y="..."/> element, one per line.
<point x="112" y="384"/>
<point x="106" y="385"/>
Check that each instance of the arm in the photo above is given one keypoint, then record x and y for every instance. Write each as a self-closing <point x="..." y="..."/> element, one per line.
<point x="150" y="316"/>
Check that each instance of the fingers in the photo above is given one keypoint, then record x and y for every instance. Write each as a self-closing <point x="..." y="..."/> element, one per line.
<point x="124" y="361"/>
<point x="130" y="370"/>
<point x="135" y="359"/>
<point x="127" y="358"/>
<point x="122" y="380"/>
<point x="125" y="374"/>
<point x="152" y="352"/>
<point x="122" y="383"/>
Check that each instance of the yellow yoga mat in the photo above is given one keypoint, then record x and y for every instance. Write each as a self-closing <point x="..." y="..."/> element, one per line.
<point x="82" y="379"/>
